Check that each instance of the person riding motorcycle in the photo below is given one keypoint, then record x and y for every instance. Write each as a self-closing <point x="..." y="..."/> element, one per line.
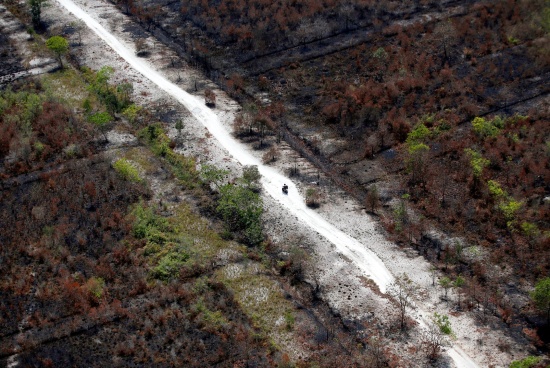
<point x="285" y="188"/>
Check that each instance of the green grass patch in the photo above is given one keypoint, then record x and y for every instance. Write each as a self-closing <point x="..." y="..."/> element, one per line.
<point x="183" y="168"/>
<point x="213" y="320"/>
<point x="143" y="158"/>
<point x="69" y="86"/>
<point x="170" y="264"/>
<point x="147" y="224"/>
<point x="528" y="362"/>
<point x="127" y="170"/>
<point x="183" y="242"/>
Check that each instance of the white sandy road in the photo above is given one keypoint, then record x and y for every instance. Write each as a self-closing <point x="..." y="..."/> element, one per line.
<point x="363" y="258"/>
<point x="272" y="180"/>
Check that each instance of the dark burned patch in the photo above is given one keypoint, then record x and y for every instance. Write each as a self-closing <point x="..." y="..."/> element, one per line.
<point x="167" y="115"/>
<point x="10" y="62"/>
<point x="47" y="227"/>
<point x="154" y="329"/>
<point x="135" y="30"/>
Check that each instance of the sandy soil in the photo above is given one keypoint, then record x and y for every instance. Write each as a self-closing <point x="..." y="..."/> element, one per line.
<point x="344" y="286"/>
<point x="32" y="62"/>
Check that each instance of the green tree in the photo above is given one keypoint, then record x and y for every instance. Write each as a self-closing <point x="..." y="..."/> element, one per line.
<point x="477" y="163"/>
<point x="446" y="283"/>
<point x="433" y="338"/>
<point x="179" y="126"/>
<point x="251" y="177"/>
<point x="509" y="208"/>
<point x="401" y="213"/>
<point x="210" y="174"/>
<point x="59" y="46"/>
<point x="458" y="284"/>
<point x="241" y="209"/>
<point x="403" y="290"/>
<point x="373" y="198"/>
<point x="36" y="11"/>
<point x="417" y="161"/>
<point x="541" y="297"/>
<point x="417" y="150"/>
<point x="101" y="120"/>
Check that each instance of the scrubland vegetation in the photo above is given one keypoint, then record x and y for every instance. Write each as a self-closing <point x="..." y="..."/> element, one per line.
<point x="97" y="270"/>
<point x="449" y="100"/>
<point x="459" y="96"/>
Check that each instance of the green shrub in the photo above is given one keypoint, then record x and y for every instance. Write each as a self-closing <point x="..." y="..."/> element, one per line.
<point x="541" y="297"/>
<point x="487" y="128"/>
<point x="313" y="197"/>
<point x="509" y="208"/>
<point x="210" y="174"/>
<point x="419" y="134"/>
<point x="530" y="229"/>
<point x="146" y="223"/>
<point x="528" y="362"/>
<point x="496" y="190"/>
<point x="183" y="168"/>
<point x="115" y="98"/>
<point x="95" y="287"/>
<point x="211" y="319"/>
<point x="169" y="265"/>
<point x="477" y="162"/>
<point x="131" y="112"/>
<point x="101" y="120"/>
<point x="442" y="321"/>
<point x="289" y="320"/>
<point x="127" y="170"/>
<point x="38" y="147"/>
<point x="241" y="209"/>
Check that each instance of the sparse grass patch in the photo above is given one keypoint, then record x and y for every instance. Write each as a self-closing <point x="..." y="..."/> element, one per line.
<point x="184" y="168"/>
<point x="528" y="362"/>
<point x="206" y="241"/>
<point x="260" y="298"/>
<point x="69" y="86"/>
<point x="142" y="157"/>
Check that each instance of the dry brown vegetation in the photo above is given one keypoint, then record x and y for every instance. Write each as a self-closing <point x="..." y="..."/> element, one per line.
<point x="367" y="74"/>
<point x="391" y="86"/>
<point x="94" y="275"/>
